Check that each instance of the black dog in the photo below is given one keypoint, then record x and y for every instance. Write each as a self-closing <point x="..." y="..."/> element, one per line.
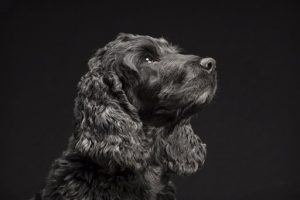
<point x="132" y="117"/>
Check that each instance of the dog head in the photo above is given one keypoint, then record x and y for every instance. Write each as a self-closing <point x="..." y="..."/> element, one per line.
<point x="136" y="82"/>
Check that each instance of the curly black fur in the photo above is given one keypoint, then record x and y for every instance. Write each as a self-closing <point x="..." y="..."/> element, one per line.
<point x="132" y="123"/>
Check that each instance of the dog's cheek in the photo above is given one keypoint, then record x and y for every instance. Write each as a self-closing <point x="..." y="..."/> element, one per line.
<point x="148" y="76"/>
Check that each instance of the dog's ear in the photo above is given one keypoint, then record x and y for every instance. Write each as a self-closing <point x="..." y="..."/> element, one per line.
<point x="108" y="129"/>
<point x="183" y="152"/>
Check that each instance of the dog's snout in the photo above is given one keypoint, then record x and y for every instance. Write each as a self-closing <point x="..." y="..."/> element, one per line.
<point x="208" y="64"/>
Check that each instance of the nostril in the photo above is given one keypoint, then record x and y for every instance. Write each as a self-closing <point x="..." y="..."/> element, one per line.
<point x="208" y="63"/>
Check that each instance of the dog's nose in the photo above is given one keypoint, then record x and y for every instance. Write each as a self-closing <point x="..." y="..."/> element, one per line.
<point x="208" y="64"/>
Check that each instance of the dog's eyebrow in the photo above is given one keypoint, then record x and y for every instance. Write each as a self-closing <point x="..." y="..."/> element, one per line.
<point x="150" y="47"/>
<point x="165" y="47"/>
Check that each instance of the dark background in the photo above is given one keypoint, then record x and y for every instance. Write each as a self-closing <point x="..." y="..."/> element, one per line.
<point x="250" y="128"/>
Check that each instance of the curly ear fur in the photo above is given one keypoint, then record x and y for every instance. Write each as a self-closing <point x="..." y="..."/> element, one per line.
<point x="108" y="127"/>
<point x="182" y="151"/>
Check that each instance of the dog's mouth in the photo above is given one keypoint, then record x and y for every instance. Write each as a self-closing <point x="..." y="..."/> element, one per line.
<point x="204" y="96"/>
<point x="208" y="91"/>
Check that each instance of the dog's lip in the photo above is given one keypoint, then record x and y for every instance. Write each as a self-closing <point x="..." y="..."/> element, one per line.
<point x="204" y="95"/>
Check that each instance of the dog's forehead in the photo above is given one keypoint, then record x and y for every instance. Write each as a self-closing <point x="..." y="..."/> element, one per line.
<point x="161" y="43"/>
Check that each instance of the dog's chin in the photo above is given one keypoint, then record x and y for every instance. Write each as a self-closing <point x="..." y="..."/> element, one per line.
<point x="203" y="98"/>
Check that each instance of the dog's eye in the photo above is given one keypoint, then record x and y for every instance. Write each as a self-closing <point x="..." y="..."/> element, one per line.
<point x="148" y="59"/>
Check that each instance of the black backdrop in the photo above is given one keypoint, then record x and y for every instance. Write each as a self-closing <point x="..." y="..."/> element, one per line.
<point x="250" y="128"/>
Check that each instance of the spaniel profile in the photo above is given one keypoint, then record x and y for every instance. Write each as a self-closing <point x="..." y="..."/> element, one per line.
<point x="132" y="123"/>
